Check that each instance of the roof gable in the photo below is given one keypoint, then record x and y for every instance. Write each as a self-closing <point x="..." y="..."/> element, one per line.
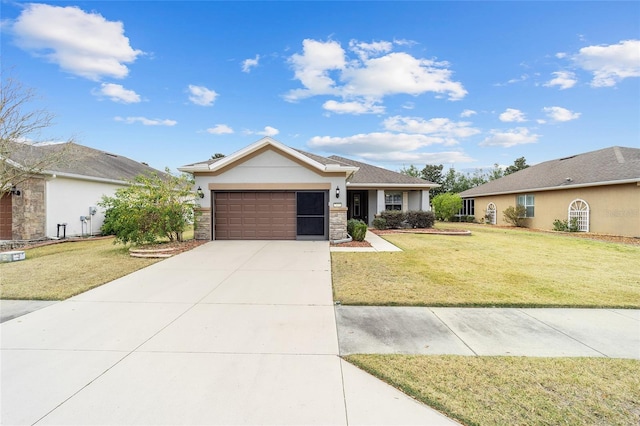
<point x="605" y="166"/>
<point x="316" y="163"/>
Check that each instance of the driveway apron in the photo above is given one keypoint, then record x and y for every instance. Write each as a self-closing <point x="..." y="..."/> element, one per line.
<point x="232" y="332"/>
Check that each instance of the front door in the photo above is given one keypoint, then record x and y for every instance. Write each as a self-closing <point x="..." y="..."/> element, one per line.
<point x="358" y="205"/>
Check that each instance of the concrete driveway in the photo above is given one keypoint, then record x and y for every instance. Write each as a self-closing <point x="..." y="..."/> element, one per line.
<point x="228" y="333"/>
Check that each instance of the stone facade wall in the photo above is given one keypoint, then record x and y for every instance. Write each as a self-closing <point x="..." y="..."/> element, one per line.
<point x="337" y="223"/>
<point x="202" y="224"/>
<point x="29" y="210"/>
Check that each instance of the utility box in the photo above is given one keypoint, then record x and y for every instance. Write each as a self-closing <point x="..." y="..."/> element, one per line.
<point x="12" y="256"/>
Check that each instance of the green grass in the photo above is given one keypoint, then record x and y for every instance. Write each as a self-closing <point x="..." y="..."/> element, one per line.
<point x="516" y="390"/>
<point x="59" y="271"/>
<point x="492" y="267"/>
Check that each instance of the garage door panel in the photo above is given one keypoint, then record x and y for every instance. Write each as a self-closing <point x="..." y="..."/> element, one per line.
<point x="255" y="215"/>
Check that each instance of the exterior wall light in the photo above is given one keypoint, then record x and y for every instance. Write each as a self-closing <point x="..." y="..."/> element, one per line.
<point x="337" y="192"/>
<point x="15" y="191"/>
<point x="199" y="192"/>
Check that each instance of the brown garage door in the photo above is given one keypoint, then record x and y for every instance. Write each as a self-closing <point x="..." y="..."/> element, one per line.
<point x="255" y="215"/>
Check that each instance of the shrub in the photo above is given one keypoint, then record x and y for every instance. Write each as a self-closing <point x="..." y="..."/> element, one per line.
<point x="560" y="225"/>
<point x="515" y="215"/>
<point x="379" y="223"/>
<point x="394" y="218"/>
<point x="566" y="226"/>
<point x="357" y="229"/>
<point x="151" y="207"/>
<point x="446" y="206"/>
<point x="420" y="219"/>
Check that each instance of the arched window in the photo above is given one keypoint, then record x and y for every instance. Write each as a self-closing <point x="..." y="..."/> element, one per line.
<point x="579" y="215"/>
<point x="491" y="216"/>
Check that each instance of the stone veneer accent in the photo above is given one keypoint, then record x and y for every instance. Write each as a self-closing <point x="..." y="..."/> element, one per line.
<point x="202" y="219"/>
<point x="28" y="210"/>
<point x="337" y="223"/>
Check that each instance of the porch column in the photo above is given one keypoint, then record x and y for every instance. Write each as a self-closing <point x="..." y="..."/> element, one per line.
<point x="405" y="201"/>
<point x="424" y="201"/>
<point x="380" y="204"/>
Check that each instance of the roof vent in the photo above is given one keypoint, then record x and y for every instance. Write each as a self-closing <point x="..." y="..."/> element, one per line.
<point x="568" y="180"/>
<point x="567" y="158"/>
<point x="111" y="155"/>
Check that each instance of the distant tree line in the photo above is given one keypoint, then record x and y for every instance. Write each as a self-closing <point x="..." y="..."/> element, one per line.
<point x="455" y="182"/>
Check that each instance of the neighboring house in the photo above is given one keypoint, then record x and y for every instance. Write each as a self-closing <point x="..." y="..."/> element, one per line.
<point x="271" y="191"/>
<point x="63" y="198"/>
<point x="601" y="189"/>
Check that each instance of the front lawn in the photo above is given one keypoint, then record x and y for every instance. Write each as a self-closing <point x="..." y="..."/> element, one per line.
<point x="492" y="267"/>
<point x="59" y="271"/>
<point x="516" y="390"/>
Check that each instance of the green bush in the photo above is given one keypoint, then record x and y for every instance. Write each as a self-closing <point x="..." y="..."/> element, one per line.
<point x="515" y="215"/>
<point x="379" y="223"/>
<point x="394" y="218"/>
<point x="446" y="206"/>
<point x="420" y="219"/>
<point x="566" y="226"/>
<point x="151" y="207"/>
<point x="357" y="229"/>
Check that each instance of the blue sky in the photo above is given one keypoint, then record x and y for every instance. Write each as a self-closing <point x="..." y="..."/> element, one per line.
<point x="464" y="84"/>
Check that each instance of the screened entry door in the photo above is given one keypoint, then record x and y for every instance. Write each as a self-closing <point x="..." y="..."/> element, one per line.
<point x="311" y="210"/>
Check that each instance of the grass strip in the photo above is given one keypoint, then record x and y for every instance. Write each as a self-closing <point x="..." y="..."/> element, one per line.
<point x="516" y="390"/>
<point x="59" y="271"/>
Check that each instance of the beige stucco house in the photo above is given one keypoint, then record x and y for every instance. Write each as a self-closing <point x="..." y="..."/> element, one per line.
<point x="268" y="190"/>
<point x="601" y="189"/>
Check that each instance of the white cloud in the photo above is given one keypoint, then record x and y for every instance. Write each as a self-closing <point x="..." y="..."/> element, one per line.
<point x="353" y="107"/>
<point x="563" y="79"/>
<point x="312" y="68"/>
<point x="408" y="105"/>
<point x="364" y="50"/>
<point x="247" y="64"/>
<point x="220" y="129"/>
<point x="387" y="147"/>
<point x="202" y="96"/>
<point x="509" y="138"/>
<point x="147" y="121"/>
<point x="560" y="114"/>
<point x="448" y="132"/>
<point x="117" y="93"/>
<point x="511" y="115"/>
<point x="81" y="43"/>
<point x="467" y="113"/>
<point x="610" y="64"/>
<point x="268" y="131"/>
<point x="323" y="68"/>
<point x="561" y="55"/>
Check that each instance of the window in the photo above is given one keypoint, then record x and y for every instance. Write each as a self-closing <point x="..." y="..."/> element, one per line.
<point x="491" y="213"/>
<point x="579" y="214"/>
<point x="468" y="207"/>
<point x="393" y="201"/>
<point x="528" y="202"/>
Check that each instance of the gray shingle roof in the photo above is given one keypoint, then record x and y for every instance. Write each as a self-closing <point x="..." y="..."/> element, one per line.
<point x="84" y="161"/>
<point x="609" y="165"/>
<point x="369" y="174"/>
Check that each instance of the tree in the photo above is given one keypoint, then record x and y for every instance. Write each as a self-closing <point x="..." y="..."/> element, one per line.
<point x="433" y="173"/>
<point x="446" y="206"/>
<point x="518" y="164"/>
<point x="411" y="171"/>
<point x="20" y="129"/>
<point x="152" y="206"/>
<point x="496" y="173"/>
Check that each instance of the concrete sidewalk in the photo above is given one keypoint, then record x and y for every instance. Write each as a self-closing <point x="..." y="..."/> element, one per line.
<point x="377" y="244"/>
<point x="228" y="333"/>
<point x="613" y="333"/>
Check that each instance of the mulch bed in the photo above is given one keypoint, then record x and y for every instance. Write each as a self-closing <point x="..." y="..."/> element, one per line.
<point x="174" y="247"/>
<point x="352" y="244"/>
